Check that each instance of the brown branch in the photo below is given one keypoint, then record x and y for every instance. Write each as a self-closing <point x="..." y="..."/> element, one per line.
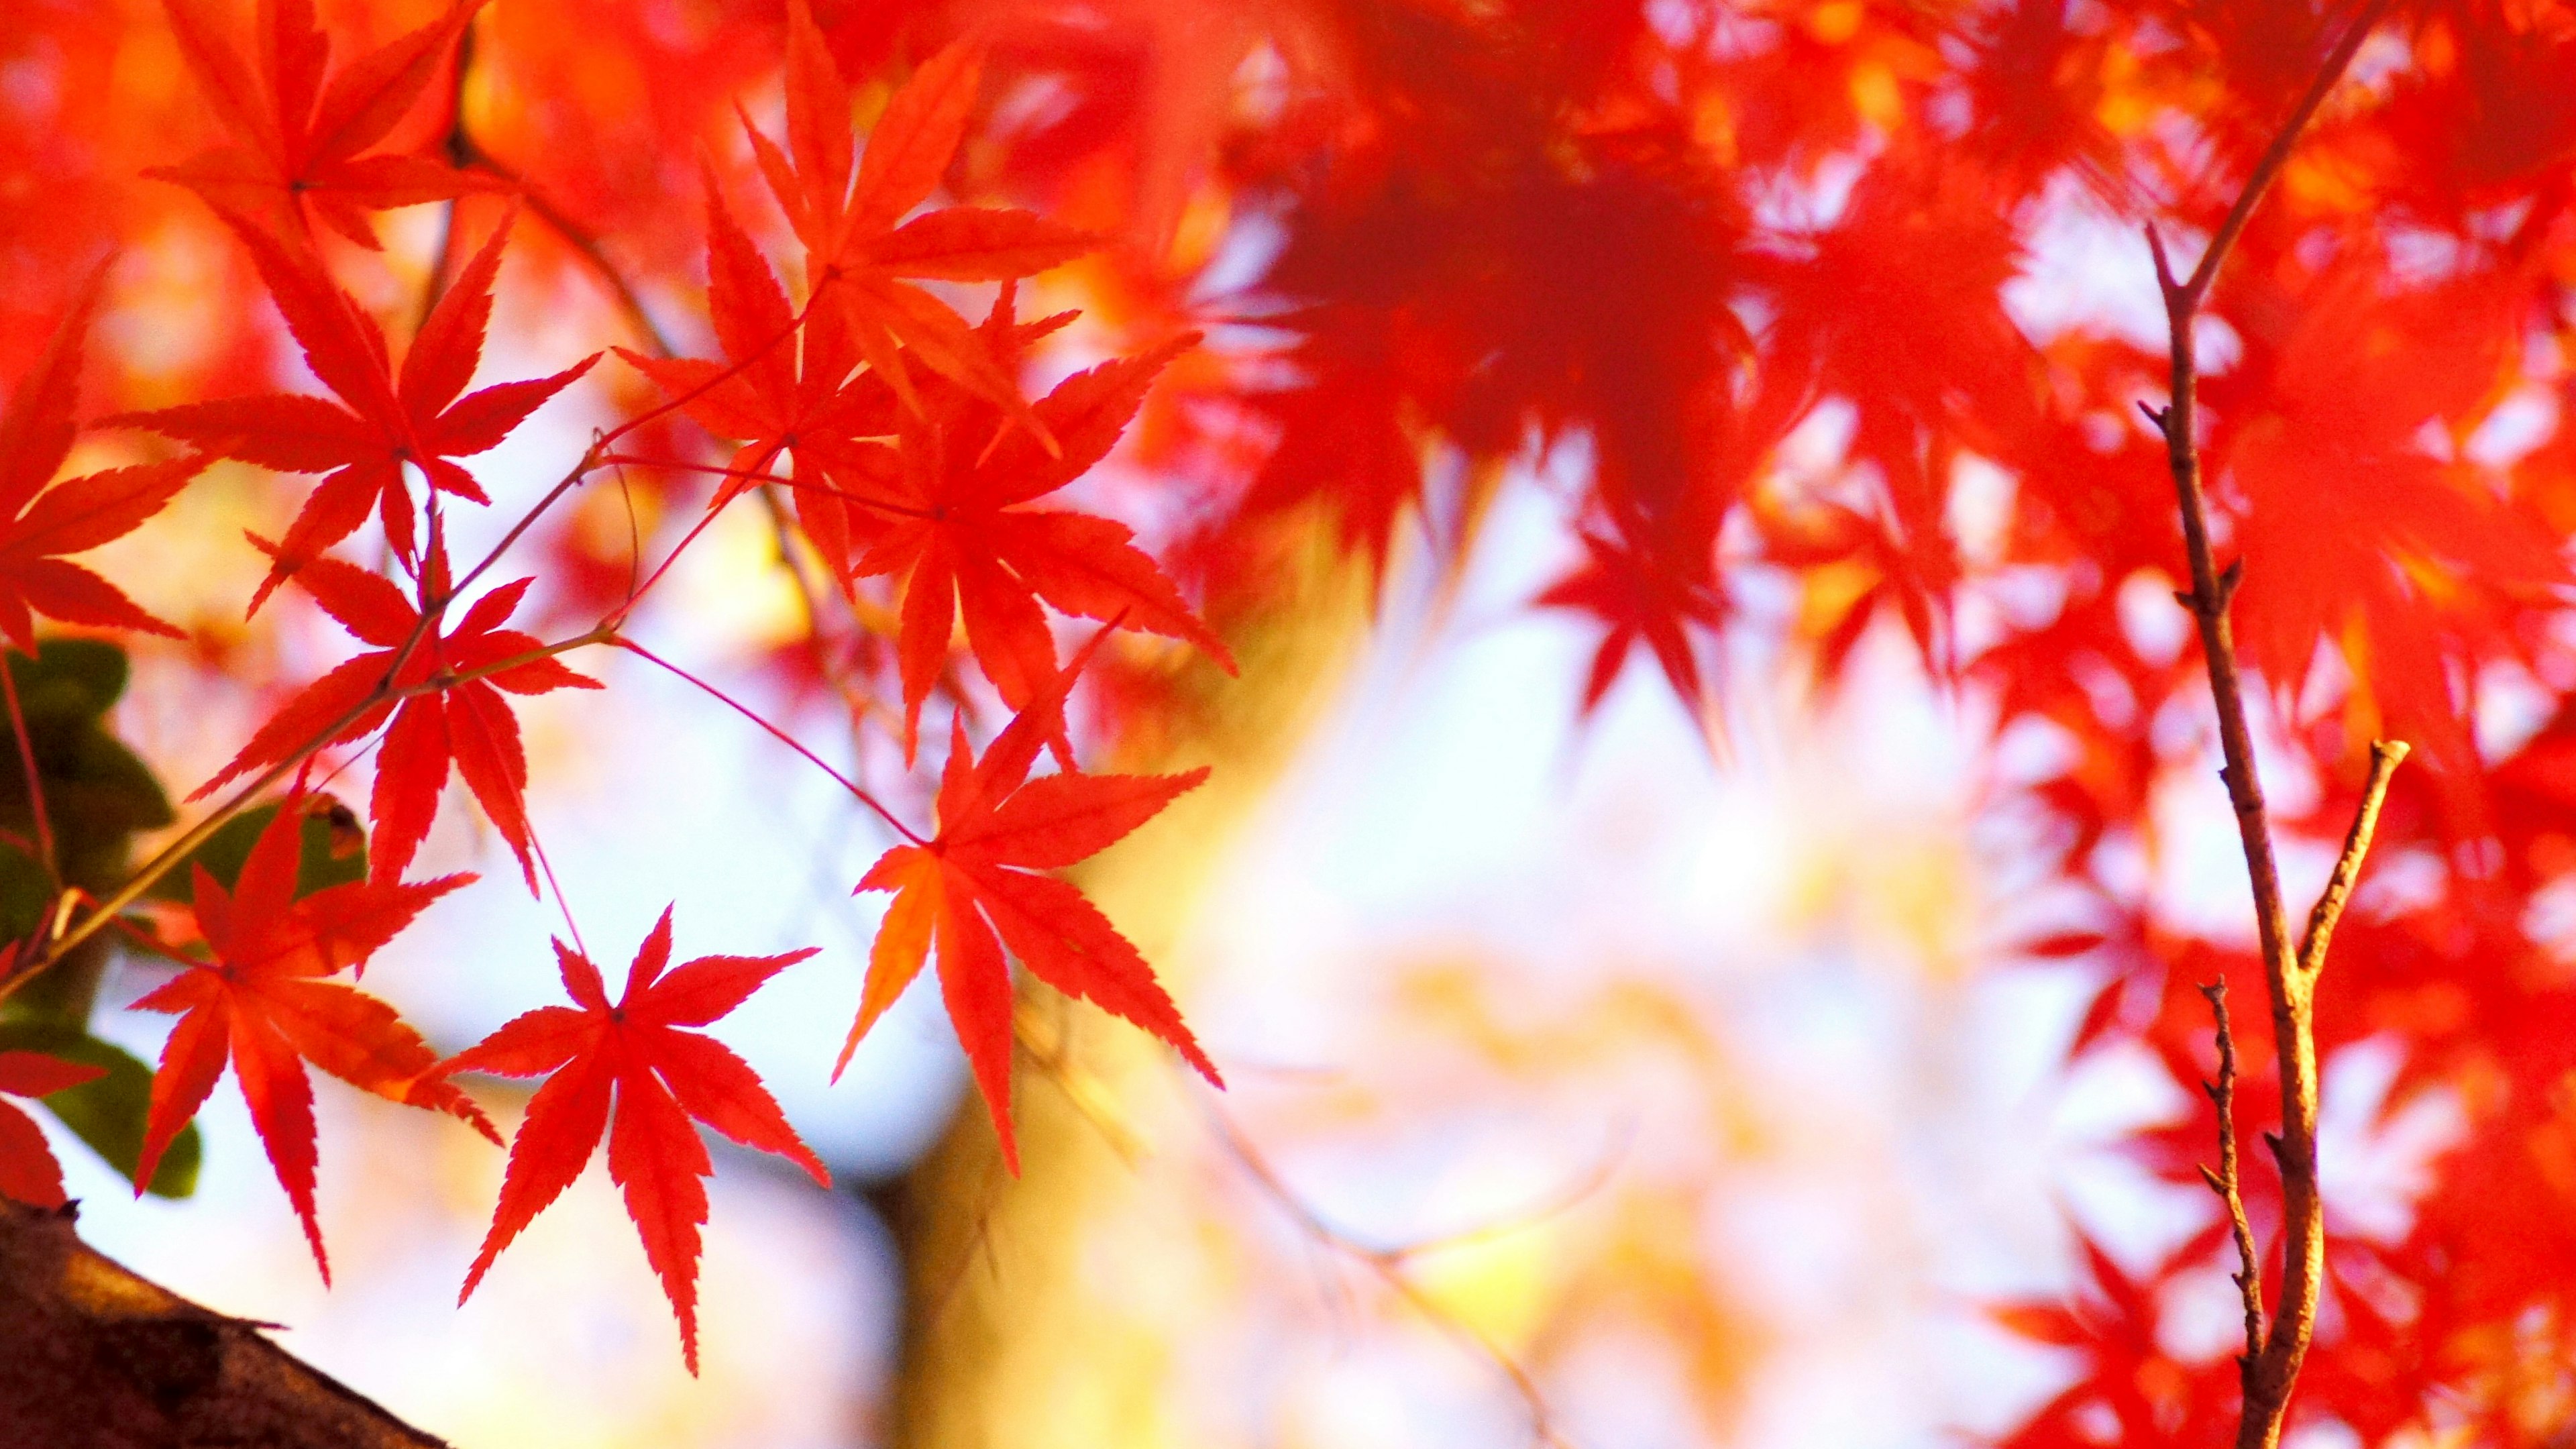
<point x="465" y="153"/>
<point x="2268" y="167"/>
<point x="2229" y="1186"/>
<point x="94" y="1357"/>
<point x="2290" y="982"/>
<point x="585" y="244"/>
<point x="46" y="856"/>
<point x="2385" y="757"/>
<point x="460" y="149"/>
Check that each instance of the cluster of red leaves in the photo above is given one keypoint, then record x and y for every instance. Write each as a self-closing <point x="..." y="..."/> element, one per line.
<point x="1671" y="237"/>
<point x="922" y="469"/>
<point x="1680" y="236"/>
<point x="912" y="457"/>
<point x="945" y="508"/>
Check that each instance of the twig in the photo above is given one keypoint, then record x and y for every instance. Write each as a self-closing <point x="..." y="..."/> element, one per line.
<point x="468" y="151"/>
<point x="1388" y="1265"/>
<point x="2273" y="1368"/>
<point x="2385" y="757"/>
<point x="460" y="149"/>
<point x="782" y="736"/>
<point x="1043" y="1043"/>
<point x="45" y="855"/>
<point x="2229" y="1186"/>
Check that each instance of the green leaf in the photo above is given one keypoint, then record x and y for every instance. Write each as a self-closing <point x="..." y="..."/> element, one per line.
<point x="77" y="677"/>
<point x="97" y="792"/>
<point x="108" y="1113"/>
<point x="335" y="851"/>
<point x="25" y="894"/>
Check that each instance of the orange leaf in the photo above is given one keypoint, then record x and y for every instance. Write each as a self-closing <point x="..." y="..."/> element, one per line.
<point x="265" y="1006"/>
<point x="975" y="887"/>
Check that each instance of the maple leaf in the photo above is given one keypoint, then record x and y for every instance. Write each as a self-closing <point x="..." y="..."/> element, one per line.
<point x="779" y="399"/>
<point x="463" y="720"/>
<point x="296" y="139"/>
<point x="658" y="1075"/>
<point x="960" y="533"/>
<point x="28" y="1171"/>
<point x="982" y="874"/>
<point x="1641" y="599"/>
<point x="39" y="524"/>
<point x="853" y="229"/>
<point x="264" y="1006"/>
<point x="418" y="418"/>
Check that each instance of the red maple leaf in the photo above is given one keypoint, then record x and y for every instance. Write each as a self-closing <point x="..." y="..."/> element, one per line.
<point x="960" y="532"/>
<point x="780" y="400"/>
<point x="28" y="1171"/>
<point x="463" y="720"/>
<point x="264" y="1006"/>
<point x="296" y="140"/>
<point x="855" y="236"/>
<point x="1642" y="600"/>
<point x="38" y="524"/>
<point x="983" y="874"/>
<point x="417" y="418"/>
<point x="660" y="1076"/>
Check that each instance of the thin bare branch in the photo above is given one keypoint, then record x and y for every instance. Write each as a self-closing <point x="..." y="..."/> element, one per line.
<point x="468" y="150"/>
<point x="2277" y="155"/>
<point x="782" y="736"/>
<point x="2273" y="1369"/>
<point x="2385" y="757"/>
<point x="2230" y="1187"/>
<point x="1388" y="1266"/>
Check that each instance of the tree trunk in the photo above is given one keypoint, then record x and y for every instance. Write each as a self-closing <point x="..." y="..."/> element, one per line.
<point x="94" y="1357"/>
<point x="1022" y="1325"/>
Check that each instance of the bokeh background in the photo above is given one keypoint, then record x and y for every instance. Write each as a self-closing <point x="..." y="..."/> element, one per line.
<point x="1641" y="1056"/>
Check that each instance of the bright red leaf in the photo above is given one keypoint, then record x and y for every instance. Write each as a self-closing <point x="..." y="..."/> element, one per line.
<point x="464" y="720"/>
<point x="416" y="418"/>
<point x="960" y="531"/>
<point x="39" y="524"/>
<point x="264" y="1006"/>
<point x="295" y="139"/>
<point x="803" y="403"/>
<point x="855" y="236"/>
<point x="1638" y="600"/>
<point x="28" y="1171"/>
<point x="979" y="885"/>
<point x="658" y="1076"/>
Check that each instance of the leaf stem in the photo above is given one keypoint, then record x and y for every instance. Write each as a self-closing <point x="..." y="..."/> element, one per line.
<point x="754" y="475"/>
<point x="45" y="853"/>
<point x="782" y="736"/>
